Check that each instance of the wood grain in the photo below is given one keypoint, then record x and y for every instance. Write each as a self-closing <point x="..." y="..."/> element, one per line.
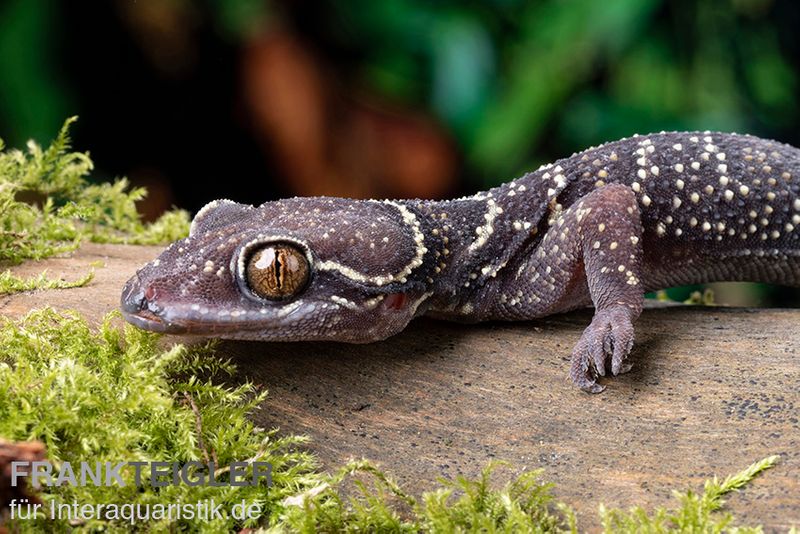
<point x="712" y="390"/>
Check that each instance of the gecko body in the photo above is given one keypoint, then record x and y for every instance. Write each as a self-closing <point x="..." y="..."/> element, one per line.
<point x="600" y="227"/>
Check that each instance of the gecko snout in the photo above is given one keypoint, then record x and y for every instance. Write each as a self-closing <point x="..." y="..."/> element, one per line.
<point x="133" y="299"/>
<point x="138" y="307"/>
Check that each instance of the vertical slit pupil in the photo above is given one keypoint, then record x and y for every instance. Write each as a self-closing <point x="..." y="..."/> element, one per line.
<point x="278" y="268"/>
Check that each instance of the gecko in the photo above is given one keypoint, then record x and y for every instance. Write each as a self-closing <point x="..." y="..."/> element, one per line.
<point x="601" y="227"/>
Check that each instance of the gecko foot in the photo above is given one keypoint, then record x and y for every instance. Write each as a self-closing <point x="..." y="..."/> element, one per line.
<point x="610" y="334"/>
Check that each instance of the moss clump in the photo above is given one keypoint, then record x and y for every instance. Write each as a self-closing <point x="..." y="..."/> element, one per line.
<point x="522" y="505"/>
<point x="697" y="511"/>
<point x="10" y="283"/>
<point x="112" y="395"/>
<point x="48" y="206"/>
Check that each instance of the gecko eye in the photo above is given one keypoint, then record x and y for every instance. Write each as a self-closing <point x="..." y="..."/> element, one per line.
<point x="277" y="271"/>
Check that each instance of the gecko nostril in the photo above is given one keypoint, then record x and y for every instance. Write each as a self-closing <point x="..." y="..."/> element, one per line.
<point x="150" y="293"/>
<point x="133" y="299"/>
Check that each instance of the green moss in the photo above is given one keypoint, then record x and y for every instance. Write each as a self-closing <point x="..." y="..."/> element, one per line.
<point x="113" y="395"/>
<point x="10" y="283"/>
<point x="522" y="505"/>
<point x="697" y="512"/>
<point x="48" y="205"/>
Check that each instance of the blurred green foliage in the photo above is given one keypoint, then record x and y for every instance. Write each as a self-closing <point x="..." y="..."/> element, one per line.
<point x="514" y="78"/>
<point x="33" y="97"/>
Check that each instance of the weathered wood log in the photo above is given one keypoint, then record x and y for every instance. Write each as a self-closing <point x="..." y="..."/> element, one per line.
<point x="712" y="390"/>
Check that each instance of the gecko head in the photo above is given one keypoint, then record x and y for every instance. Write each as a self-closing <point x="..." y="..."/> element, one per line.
<point x="296" y="269"/>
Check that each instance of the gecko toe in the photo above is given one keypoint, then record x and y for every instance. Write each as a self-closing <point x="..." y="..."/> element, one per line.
<point x="622" y="332"/>
<point x="588" y="361"/>
<point x="598" y="352"/>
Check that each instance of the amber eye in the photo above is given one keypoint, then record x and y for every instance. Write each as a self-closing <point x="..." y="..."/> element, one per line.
<point x="277" y="271"/>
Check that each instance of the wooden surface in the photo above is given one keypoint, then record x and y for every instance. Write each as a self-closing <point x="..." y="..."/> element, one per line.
<point x="712" y="390"/>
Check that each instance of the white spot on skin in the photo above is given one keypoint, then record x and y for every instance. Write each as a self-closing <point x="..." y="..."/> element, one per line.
<point x="646" y="200"/>
<point x="676" y="202"/>
<point x="744" y="190"/>
<point x="654" y="170"/>
<point x="728" y="194"/>
<point x="679" y="167"/>
<point x="677" y="146"/>
<point x="641" y="173"/>
<point x="695" y="198"/>
<point x="679" y="183"/>
<point x="723" y="180"/>
<point x="613" y="245"/>
<point x="636" y="187"/>
<point x="706" y="226"/>
<point x="695" y="165"/>
<point x="341" y="301"/>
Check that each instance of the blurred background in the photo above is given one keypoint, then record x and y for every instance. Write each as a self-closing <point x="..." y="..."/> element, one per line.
<point x="255" y="99"/>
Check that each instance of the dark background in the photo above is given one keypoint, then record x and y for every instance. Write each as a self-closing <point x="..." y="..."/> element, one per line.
<point x="255" y="100"/>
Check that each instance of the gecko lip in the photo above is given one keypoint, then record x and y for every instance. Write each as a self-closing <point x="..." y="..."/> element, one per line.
<point x="147" y="320"/>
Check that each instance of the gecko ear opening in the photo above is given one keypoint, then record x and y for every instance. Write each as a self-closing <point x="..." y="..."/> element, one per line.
<point x="216" y="214"/>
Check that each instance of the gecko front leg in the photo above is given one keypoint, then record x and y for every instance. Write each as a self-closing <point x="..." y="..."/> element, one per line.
<point x="611" y="239"/>
<point x="594" y="250"/>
